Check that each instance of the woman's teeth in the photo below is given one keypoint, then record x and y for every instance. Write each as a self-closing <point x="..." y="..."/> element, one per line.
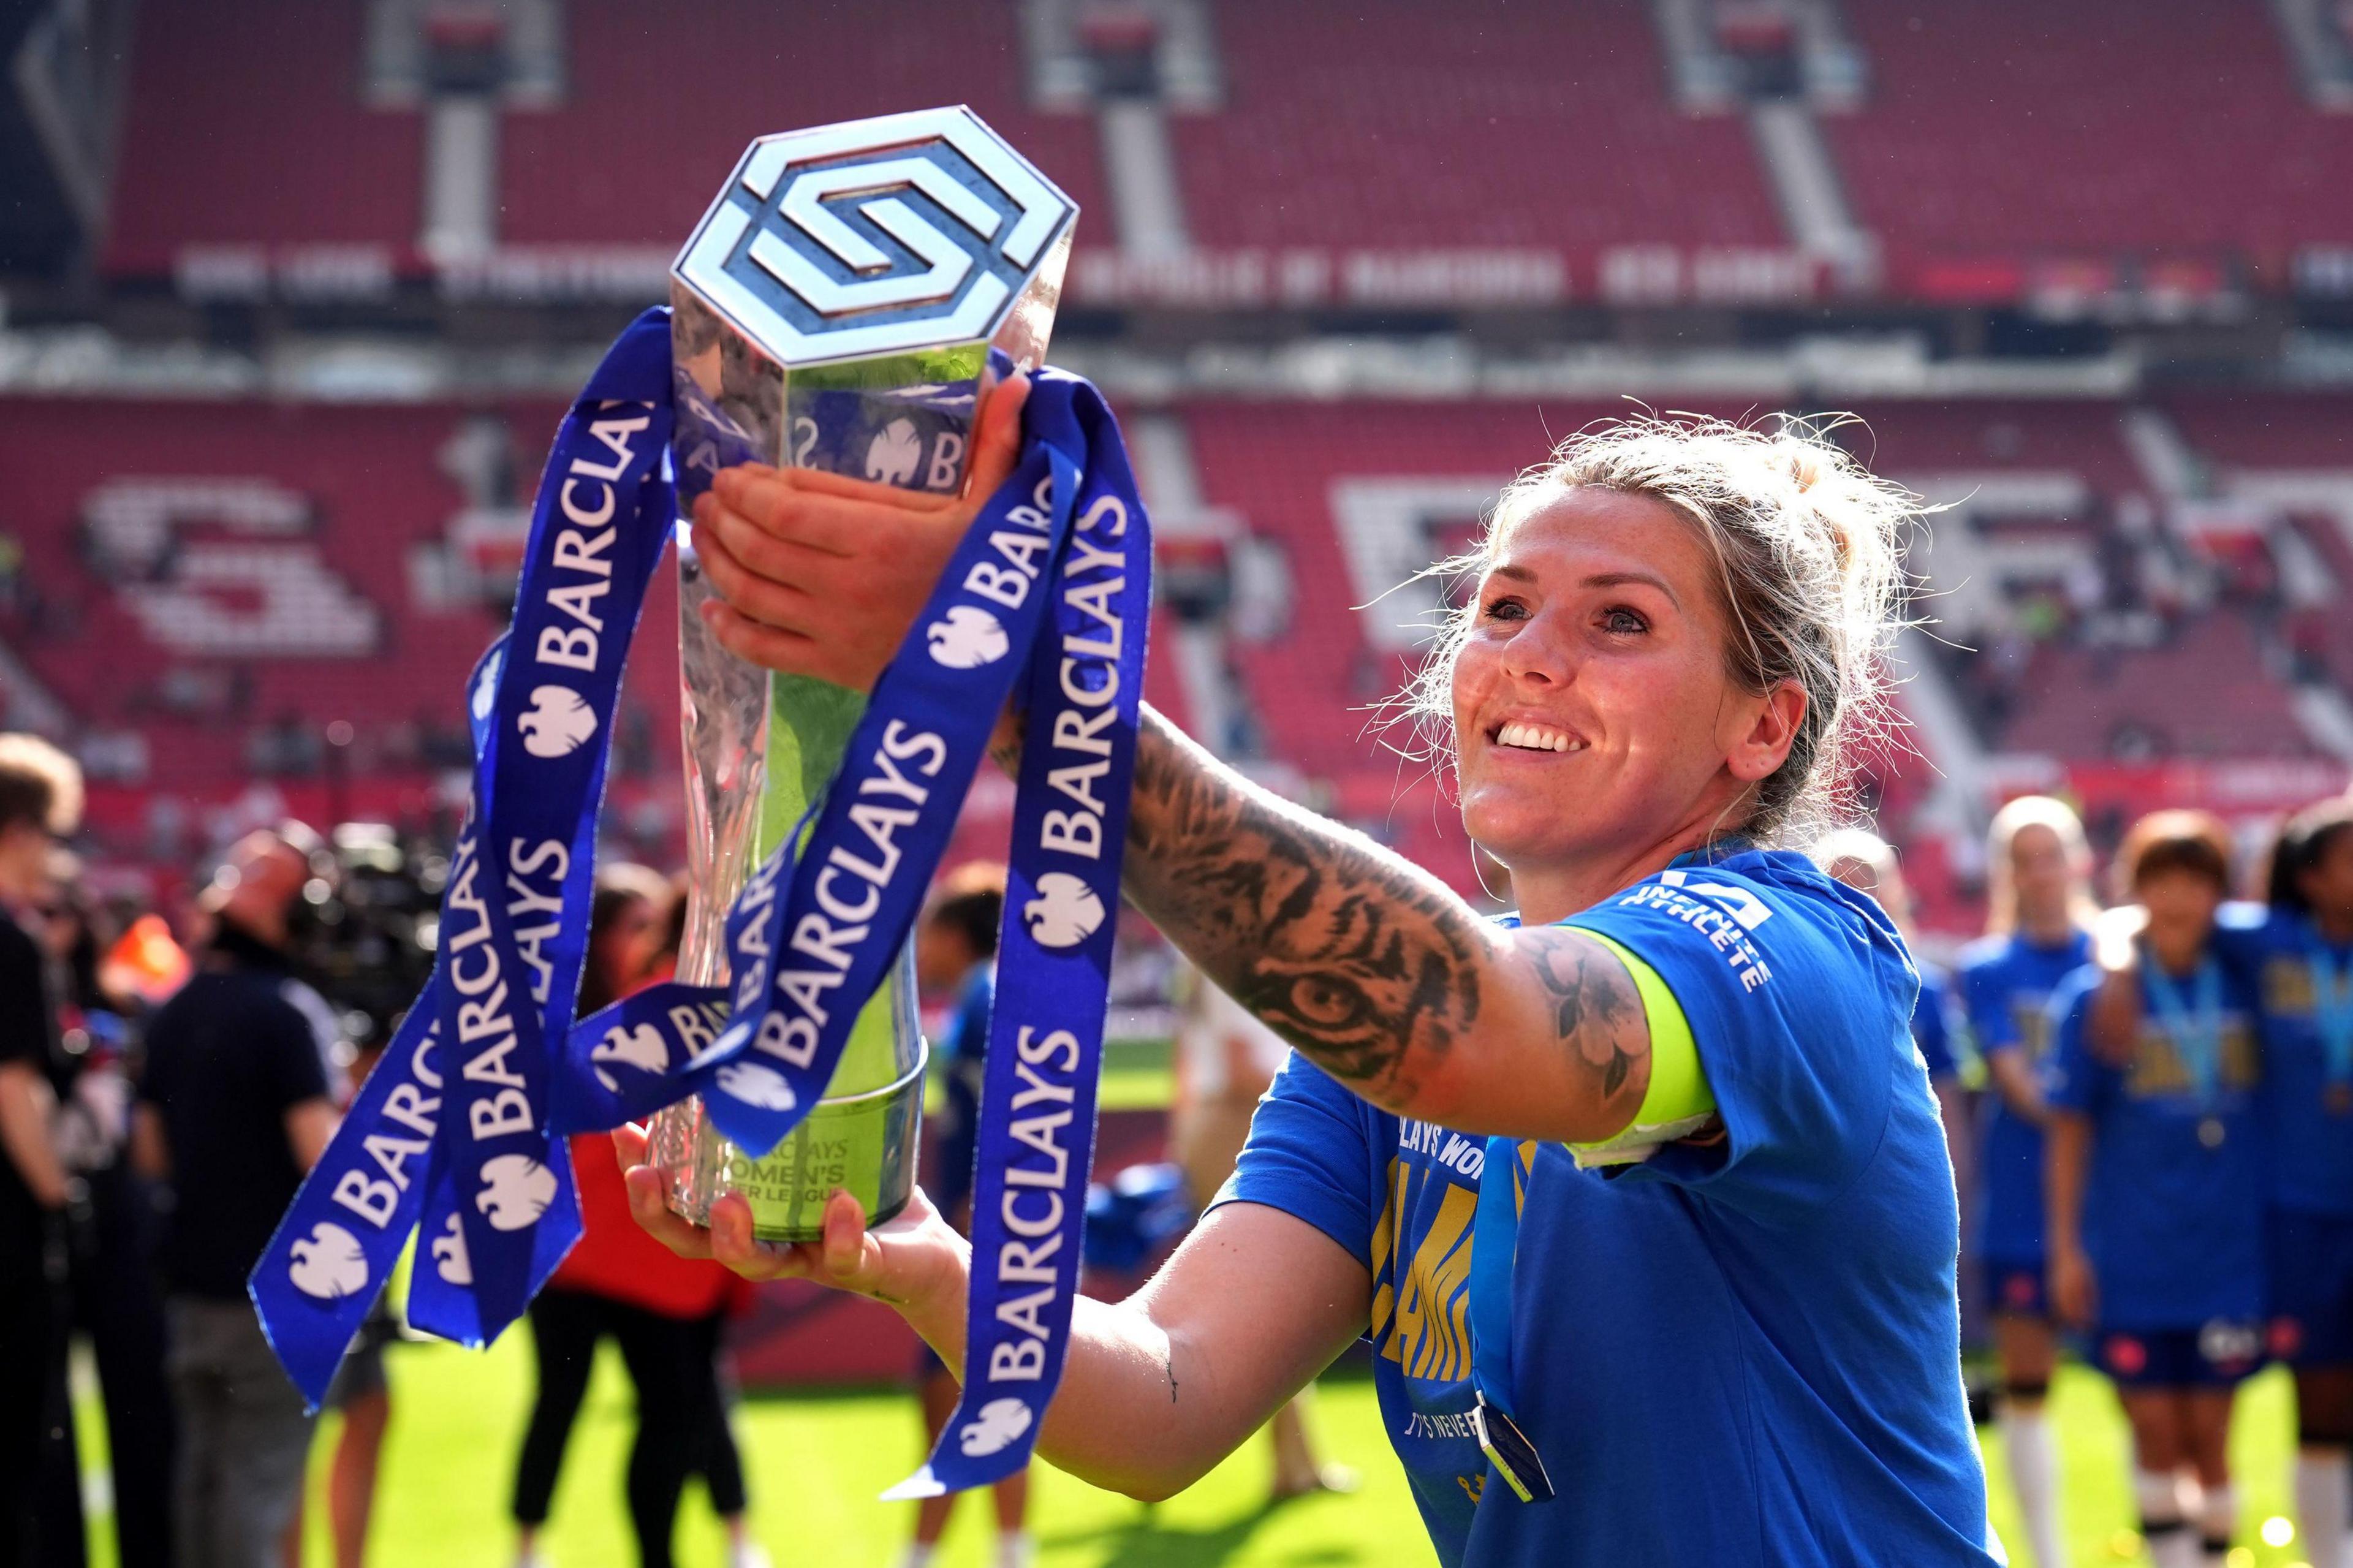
<point x="1537" y="738"/>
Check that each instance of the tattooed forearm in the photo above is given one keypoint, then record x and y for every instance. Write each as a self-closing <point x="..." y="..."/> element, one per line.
<point x="1369" y="965"/>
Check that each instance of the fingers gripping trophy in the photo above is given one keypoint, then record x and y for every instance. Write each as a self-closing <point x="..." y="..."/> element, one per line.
<point x="845" y="307"/>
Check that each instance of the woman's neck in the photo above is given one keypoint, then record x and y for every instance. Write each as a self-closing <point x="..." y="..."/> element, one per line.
<point x="2336" y="926"/>
<point x="2047" y="928"/>
<point x="1549" y="894"/>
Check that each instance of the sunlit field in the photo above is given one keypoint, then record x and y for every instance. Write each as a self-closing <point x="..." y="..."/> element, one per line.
<point x="816" y="1463"/>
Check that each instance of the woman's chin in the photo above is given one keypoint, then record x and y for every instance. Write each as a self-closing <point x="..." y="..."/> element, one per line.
<point x="1515" y="833"/>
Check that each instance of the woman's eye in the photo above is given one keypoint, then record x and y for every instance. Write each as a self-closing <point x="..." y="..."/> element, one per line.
<point x="1623" y="621"/>
<point x="1506" y="609"/>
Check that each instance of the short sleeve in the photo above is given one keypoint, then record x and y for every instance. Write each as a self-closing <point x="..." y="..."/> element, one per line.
<point x="295" y="1054"/>
<point x="2246" y="934"/>
<point x="968" y="1033"/>
<point x="1800" y="1004"/>
<point x="23" y="1001"/>
<point x="2073" y="1078"/>
<point x="1310" y="1155"/>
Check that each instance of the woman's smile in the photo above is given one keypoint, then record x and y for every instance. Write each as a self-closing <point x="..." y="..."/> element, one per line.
<point x="1534" y="736"/>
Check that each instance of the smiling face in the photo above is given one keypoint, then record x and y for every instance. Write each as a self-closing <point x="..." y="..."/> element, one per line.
<point x="1596" y="728"/>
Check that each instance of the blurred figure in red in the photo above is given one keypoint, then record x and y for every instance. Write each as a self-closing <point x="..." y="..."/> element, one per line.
<point x="664" y="1311"/>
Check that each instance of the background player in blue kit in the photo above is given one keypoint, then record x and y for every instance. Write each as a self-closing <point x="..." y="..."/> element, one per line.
<point x="1673" y="635"/>
<point x="2156" y="1184"/>
<point x="2296" y="951"/>
<point x="2304" y="952"/>
<point x="2038" y="918"/>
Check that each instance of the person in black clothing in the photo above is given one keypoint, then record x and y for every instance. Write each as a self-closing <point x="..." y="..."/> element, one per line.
<point x="236" y="1105"/>
<point x="112" y="1224"/>
<point x="40" y="800"/>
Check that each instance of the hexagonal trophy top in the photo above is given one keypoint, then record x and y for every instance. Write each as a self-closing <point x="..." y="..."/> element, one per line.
<point x="856" y="288"/>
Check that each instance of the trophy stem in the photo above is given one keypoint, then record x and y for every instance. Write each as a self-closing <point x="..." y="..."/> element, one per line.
<point x="758" y="749"/>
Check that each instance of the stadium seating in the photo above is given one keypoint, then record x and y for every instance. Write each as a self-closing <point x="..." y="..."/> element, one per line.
<point x="657" y="109"/>
<point x="2017" y="131"/>
<point x="1295" y="473"/>
<point x="1998" y="136"/>
<point x="1511" y="125"/>
<point x="661" y="103"/>
<point x="244" y="125"/>
<point x="240" y="618"/>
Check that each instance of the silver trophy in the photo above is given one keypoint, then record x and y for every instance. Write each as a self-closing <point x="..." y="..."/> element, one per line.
<point x="847" y="302"/>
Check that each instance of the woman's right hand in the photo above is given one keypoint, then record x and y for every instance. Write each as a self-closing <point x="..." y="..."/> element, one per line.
<point x="914" y="1262"/>
<point x="2075" y="1289"/>
<point x="821" y="574"/>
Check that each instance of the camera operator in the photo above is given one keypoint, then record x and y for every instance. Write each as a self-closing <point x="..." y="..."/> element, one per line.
<point x="40" y="800"/>
<point x="236" y="1104"/>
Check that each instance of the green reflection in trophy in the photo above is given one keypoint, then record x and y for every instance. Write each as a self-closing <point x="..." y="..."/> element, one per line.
<point x="849" y="298"/>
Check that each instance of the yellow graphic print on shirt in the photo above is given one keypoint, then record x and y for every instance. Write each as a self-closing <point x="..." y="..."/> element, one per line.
<point x="2159" y="1071"/>
<point x="1421" y="1315"/>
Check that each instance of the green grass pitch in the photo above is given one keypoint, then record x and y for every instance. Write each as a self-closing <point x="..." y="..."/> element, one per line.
<point x="816" y="1463"/>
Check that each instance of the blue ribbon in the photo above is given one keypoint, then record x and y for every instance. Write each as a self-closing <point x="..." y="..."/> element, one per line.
<point x="453" y="1129"/>
<point x="2332" y="1007"/>
<point x="1494" y="1248"/>
<point x="2196" y="1030"/>
<point x="459" y="1128"/>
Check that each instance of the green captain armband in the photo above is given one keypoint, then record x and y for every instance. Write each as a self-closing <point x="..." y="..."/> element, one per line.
<point x="1678" y="1102"/>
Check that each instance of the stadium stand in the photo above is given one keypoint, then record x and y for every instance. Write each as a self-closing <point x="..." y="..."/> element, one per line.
<point x="254" y="570"/>
<point x="2003" y="133"/>
<point x="206" y="159"/>
<point x="1515" y="126"/>
<point x="713" y="77"/>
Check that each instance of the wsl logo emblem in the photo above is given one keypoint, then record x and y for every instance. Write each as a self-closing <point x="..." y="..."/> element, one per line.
<point x="908" y="231"/>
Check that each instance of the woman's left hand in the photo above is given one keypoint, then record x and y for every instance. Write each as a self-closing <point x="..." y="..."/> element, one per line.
<point x="914" y="1262"/>
<point x="821" y="575"/>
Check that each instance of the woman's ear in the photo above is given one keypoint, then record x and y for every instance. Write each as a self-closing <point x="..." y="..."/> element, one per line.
<point x="1764" y="746"/>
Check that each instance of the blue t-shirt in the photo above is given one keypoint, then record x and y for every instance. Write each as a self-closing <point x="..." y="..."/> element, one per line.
<point x="2311" y="1140"/>
<point x="2006" y="987"/>
<point x="2174" y="1225"/>
<point x="1934" y="1025"/>
<point x="963" y="1052"/>
<point x="1743" y="1354"/>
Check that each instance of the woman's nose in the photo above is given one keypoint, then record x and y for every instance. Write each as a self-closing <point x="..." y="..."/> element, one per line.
<point x="1540" y="653"/>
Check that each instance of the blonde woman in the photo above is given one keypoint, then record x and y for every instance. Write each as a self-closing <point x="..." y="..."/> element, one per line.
<point x="1718" y="1239"/>
<point x="2038" y="932"/>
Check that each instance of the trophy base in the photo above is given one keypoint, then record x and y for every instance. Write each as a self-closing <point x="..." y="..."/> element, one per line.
<point x="866" y="1143"/>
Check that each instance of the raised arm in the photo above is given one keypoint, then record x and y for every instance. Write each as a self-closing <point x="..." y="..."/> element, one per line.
<point x="1374" y="968"/>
